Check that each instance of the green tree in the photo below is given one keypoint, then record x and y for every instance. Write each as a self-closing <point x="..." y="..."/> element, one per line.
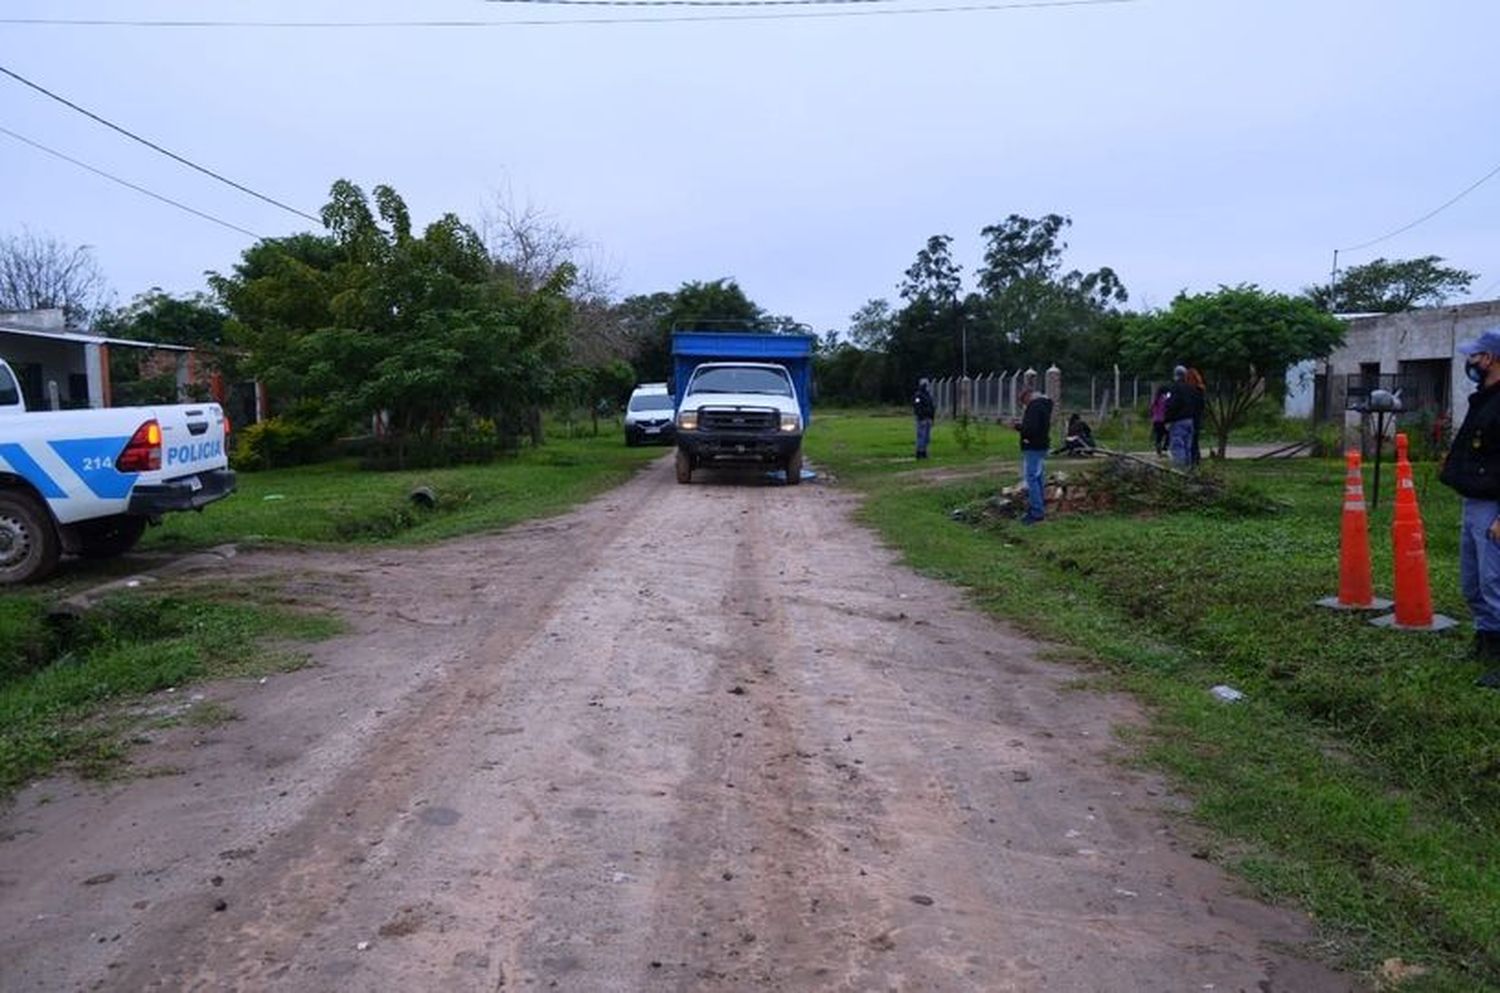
<point x="195" y="321"/>
<point x="870" y="325"/>
<point x="926" y="336"/>
<point x="1237" y="337"/>
<point x="376" y="321"/>
<point x="1391" y="286"/>
<point x="1028" y="310"/>
<point x="715" y="305"/>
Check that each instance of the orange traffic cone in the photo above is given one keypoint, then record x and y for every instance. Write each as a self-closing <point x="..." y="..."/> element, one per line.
<point x="1413" y="593"/>
<point x="1356" y="591"/>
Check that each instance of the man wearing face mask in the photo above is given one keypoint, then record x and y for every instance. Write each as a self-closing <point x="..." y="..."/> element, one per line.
<point x="1472" y="467"/>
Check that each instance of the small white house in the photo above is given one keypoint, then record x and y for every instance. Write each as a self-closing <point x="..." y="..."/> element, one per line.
<point x="1414" y="352"/>
<point x="62" y="368"/>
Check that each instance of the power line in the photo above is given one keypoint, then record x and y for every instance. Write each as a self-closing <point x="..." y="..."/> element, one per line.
<point x="1430" y="214"/>
<point x="155" y="147"/>
<point x="675" y="19"/>
<point x="691" y="3"/>
<point x="127" y="183"/>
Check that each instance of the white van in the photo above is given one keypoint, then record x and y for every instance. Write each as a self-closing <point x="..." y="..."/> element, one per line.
<point x="648" y="416"/>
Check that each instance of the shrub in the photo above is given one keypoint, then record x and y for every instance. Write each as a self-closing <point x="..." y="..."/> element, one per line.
<point x="277" y="443"/>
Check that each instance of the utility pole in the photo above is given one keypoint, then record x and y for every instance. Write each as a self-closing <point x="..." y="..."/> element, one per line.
<point x="1333" y="283"/>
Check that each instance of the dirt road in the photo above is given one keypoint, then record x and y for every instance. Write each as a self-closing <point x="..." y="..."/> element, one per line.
<point x="685" y="738"/>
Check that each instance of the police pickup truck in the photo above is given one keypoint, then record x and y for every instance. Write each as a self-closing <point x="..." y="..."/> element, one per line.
<point x="89" y="481"/>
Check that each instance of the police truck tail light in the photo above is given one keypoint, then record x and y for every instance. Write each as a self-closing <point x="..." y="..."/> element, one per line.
<point x="143" y="452"/>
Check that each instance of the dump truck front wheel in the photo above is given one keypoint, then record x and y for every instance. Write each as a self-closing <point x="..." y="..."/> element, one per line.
<point x="794" y="468"/>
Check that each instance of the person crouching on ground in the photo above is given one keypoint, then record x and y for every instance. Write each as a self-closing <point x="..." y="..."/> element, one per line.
<point x="1034" y="425"/>
<point x="922" y="409"/>
<point x="1080" y="437"/>
<point x="1472" y="467"/>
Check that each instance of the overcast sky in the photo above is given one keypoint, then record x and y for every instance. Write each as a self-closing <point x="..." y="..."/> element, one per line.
<point x="1193" y="142"/>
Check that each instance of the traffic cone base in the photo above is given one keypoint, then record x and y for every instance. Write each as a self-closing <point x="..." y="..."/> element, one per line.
<point x="1440" y="622"/>
<point x="1374" y="603"/>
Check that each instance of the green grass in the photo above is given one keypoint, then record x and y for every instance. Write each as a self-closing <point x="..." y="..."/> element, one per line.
<point x="68" y="709"/>
<point x="336" y="502"/>
<point x="1361" y="778"/>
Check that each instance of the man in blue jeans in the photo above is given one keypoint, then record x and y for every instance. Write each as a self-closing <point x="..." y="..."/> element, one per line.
<point x="1472" y="467"/>
<point x="1034" y="425"/>
<point x="1179" y="414"/>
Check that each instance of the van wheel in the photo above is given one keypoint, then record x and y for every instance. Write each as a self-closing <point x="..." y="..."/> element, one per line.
<point x="684" y="467"/>
<point x="108" y="537"/>
<point x="794" y="468"/>
<point x="29" y="546"/>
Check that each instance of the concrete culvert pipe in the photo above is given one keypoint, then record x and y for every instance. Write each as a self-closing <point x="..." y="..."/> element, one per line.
<point x="424" y="497"/>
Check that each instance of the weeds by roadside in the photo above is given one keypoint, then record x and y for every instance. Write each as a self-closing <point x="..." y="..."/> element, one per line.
<point x="63" y="704"/>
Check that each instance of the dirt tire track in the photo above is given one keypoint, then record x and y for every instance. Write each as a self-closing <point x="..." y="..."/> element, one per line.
<point x="687" y="737"/>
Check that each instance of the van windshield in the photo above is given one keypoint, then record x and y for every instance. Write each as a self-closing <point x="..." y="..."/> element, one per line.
<point x="742" y="380"/>
<point x="651" y="401"/>
<point x="10" y="395"/>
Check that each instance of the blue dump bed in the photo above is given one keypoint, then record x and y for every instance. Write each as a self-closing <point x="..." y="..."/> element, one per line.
<point x="690" y="349"/>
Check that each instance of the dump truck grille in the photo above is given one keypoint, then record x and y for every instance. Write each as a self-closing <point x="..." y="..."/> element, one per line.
<point x="738" y="420"/>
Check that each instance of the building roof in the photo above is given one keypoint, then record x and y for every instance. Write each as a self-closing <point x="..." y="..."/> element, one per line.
<point x="88" y="339"/>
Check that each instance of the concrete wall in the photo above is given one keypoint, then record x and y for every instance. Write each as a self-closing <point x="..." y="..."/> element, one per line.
<point x="1415" y="335"/>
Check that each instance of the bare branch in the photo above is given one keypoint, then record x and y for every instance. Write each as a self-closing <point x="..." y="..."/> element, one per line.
<point x="529" y="245"/>
<point x="39" y="272"/>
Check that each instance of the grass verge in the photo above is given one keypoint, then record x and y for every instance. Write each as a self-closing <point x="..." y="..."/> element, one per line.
<point x="1360" y="779"/>
<point x="336" y="502"/>
<point x="64" y="707"/>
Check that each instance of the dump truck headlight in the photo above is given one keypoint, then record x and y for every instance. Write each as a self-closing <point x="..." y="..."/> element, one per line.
<point x="791" y="422"/>
<point x="687" y="420"/>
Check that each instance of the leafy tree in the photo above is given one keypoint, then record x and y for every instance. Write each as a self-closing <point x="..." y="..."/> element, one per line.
<point x="846" y="373"/>
<point x="870" y="325"/>
<point x="926" y="335"/>
<point x="375" y="320"/>
<point x="39" y="273"/>
<point x="1028" y="309"/>
<point x="1237" y="337"/>
<point x="1025" y="308"/>
<point x="599" y="390"/>
<point x="1390" y="286"/>
<point x="195" y="321"/>
<point x="716" y="305"/>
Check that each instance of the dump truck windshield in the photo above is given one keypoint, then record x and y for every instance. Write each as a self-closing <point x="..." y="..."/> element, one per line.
<point x="742" y="379"/>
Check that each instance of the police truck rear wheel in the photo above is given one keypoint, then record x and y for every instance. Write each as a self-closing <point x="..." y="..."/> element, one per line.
<point x="108" y="537"/>
<point x="684" y="467"/>
<point x="29" y="546"/>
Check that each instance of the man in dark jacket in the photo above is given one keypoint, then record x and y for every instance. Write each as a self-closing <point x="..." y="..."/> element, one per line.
<point x="1035" y="426"/>
<point x="1472" y="467"/>
<point x="1181" y="407"/>
<point x="922" y="409"/>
